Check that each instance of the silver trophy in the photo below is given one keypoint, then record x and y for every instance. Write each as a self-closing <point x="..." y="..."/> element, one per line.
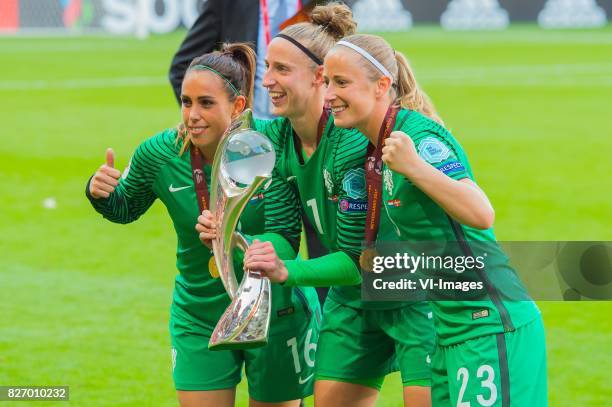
<point x="243" y="162"/>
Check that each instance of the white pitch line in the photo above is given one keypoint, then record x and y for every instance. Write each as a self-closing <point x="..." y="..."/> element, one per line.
<point x="521" y="75"/>
<point x="528" y="38"/>
<point x="49" y="47"/>
<point x="547" y="69"/>
<point x="84" y="83"/>
<point x="525" y="83"/>
<point x="502" y="75"/>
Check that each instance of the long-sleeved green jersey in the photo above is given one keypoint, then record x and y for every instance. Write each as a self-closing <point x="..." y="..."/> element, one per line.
<point x="332" y="193"/>
<point x="409" y="215"/>
<point x="157" y="171"/>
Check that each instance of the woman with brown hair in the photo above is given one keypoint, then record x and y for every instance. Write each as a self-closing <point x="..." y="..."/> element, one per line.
<point x="217" y="87"/>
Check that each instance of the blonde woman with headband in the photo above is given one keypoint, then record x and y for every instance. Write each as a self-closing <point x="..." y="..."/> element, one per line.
<point x="361" y="342"/>
<point x="216" y="89"/>
<point x="491" y="350"/>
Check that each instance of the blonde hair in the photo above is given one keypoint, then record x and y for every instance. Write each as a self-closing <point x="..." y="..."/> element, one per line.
<point x="329" y="23"/>
<point x="235" y="64"/>
<point x="408" y="94"/>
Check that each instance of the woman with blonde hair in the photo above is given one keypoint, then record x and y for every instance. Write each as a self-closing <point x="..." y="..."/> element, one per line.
<point x="490" y="348"/>
<point x="361" y="342"/>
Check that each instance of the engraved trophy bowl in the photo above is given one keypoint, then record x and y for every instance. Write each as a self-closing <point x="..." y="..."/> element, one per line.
<point x="243" y="162"/>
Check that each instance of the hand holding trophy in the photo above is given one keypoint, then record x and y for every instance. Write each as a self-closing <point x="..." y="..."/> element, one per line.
<point x="243" y="162"/>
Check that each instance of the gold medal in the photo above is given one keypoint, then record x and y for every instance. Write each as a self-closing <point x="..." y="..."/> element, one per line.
<point x="366" y="259"/>
<point x="212" y="267"/>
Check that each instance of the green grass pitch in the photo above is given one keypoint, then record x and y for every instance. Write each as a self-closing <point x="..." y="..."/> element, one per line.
<point x="85" y="303"/>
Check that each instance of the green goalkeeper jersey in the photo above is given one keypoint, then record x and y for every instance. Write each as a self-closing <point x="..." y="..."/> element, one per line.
<point x="409" y="215"/>
<point x="332" y="192"/>
<point x="157" y="171"/>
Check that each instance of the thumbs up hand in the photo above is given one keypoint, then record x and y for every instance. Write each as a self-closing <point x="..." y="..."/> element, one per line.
<point x="106" y="179"/>
<point x="110" y="158"/>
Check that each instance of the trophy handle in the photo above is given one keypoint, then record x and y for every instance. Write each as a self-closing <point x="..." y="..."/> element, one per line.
<point x="240" y="241"/>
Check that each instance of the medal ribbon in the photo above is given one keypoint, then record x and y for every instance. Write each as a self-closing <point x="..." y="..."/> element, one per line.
<point x="199" y="178"/>
<point x="373" y="170"/>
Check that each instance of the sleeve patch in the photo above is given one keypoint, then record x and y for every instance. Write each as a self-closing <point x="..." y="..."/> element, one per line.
<point x="451" y="167"/>
<point x="433" y="150"/>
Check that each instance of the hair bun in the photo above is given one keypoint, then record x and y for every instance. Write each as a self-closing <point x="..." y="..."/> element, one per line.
<point x="227" y="49"/>
<point x="335" y="18"/>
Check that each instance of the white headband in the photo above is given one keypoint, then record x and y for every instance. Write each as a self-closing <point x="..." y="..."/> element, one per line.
<point x="367" y="56"/>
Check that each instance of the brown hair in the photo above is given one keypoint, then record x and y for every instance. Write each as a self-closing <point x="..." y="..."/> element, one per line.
<point x="408" y="94"/>
<point x="329" y="23"/>
<point x="235" y="63"/>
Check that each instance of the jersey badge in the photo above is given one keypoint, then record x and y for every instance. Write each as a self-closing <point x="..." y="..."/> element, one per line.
<point x="480" y="314"/>
<point x="329" y="185"/>
<point x="433" y="150"/>
<point x="388" y="181"/>
<point x="354" y="183"/>
<point x="353" y="205"/>
<point x="172" y="188"/>
<point x="394" y="202"/>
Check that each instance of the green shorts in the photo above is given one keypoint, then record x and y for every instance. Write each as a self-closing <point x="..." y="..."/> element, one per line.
<point x="494" y="370"/>
<point x="367" y="343"/>
<point x="280" y="371"/>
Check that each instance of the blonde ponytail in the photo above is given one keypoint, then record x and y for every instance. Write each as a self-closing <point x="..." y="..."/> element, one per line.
<point x="409" y="94"/>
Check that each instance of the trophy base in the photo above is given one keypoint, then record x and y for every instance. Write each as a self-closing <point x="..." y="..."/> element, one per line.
<point x="245" y="323"/>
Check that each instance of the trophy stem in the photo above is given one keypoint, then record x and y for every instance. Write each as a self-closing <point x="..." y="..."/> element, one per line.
<point x="243" y="162"/>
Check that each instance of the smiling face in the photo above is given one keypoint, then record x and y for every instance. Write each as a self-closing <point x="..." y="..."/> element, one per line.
<point x="357" y="97"/>
<point x="351" y="94"/>
<point x="207" y="109"/>
<point x="290" y="79"/>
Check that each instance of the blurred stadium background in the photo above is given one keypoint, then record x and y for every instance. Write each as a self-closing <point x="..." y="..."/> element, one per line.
<point x="524" y="85"/>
